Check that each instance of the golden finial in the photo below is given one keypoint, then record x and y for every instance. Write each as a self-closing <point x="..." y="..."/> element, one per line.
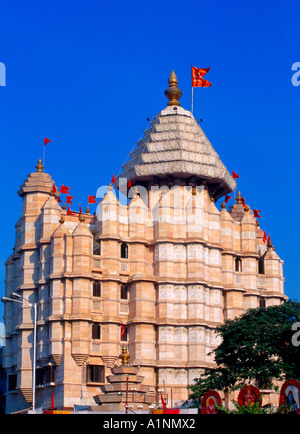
<point x="246" y="208"/>
<point x="124" y="356"/>
<point x="223" y="206"/>
<point x="81" y="218"/>
<point x="212" y="199"/>
<point x="238" y="199"/>
<point x="39" y="167"/>
<point x="173" y="93"/>
<point x="62" y="220"/>
<point x="270" y="245"/>
<point x="87" y="211"/>
<point x="64" y="207"/>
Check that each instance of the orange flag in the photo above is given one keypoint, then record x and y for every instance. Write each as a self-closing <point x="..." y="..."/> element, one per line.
<point x="235" y="175"/>
<point x="46" y="141"/>
<point x="256" y="213"/>
<point x="92" y="199"/>
<point x="69" y="199"/>
<point x="265" y="237"/>
<point x="69" y="212"/>
<point x="113" y="179"/>
<point x="64" y="189"/>
<point x="122" y="330"/>
<point x="227" y="198"/>
<point x="197" y="77"/>
<point x="163" y="403"/>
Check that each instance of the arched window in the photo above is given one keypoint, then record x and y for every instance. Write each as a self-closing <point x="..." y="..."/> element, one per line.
<point x="96" y="288"/>
<point x="124" y="292"/>
<point x="238" y="264"/>
<point x="261" y="266"/>
<point x="124" y="251"/>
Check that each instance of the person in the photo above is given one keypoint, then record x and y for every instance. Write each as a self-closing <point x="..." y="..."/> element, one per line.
<point x="249" y="398"/>
<point x="290" y="402"/>
<point x="210" y="406"/>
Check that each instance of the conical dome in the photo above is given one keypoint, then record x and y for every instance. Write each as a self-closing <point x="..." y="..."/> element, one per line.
<point x="176" y="145"/>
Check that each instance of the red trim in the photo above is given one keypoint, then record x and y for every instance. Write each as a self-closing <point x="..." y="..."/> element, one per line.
<point x="284" y="387"/>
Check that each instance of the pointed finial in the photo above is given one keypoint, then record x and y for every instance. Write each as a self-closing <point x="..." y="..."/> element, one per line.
<point x="246" y="208"/>
<point x="238" y="199"/>
<point x="62" y="220"/>
<point x="81" y="219"/>
<point x="223" y="206"/>
<point x="87" y="211"/>
<point x="64" y="207"/>
<point x="173" y="93"/>
<point x="39" y="167"/>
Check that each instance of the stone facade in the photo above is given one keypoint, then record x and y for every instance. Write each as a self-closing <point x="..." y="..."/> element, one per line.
<point x="168" y="265"/>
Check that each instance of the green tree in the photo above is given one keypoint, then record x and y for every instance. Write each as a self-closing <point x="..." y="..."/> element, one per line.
<point x="255" y="346"/>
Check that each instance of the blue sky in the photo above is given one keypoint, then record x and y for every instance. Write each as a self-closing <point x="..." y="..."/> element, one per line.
<point x="87" y="74"/>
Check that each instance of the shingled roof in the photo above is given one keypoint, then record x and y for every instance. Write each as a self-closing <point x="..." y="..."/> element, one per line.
<point x="176" y="145"/>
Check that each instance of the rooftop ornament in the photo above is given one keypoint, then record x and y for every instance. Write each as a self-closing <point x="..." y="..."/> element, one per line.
<point x="173" y="93"/>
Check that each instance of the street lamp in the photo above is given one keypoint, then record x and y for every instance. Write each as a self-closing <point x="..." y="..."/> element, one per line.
<point x="34" y="305"/>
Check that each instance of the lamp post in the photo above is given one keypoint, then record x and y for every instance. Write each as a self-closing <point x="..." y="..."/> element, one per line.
<point x="34" y="305"/>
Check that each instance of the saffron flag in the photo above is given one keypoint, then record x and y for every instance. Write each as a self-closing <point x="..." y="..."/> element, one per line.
<point x="163" y="403"/>
<point x="54" y="189"/>
<point x="64" y="189"/>
<point x="129" y="184"/>
<point x="256" y="213"/>
<point x="46" y="141"/>
<point x="269" y="239"/>
<point x="243" y="201"/>
<point x="69" y="212"/>
<point x="80" y="211"/>
<point x="227" y="198"/>
<point x="69" y="199"/>
<point x="122" y="330"/>
<point x="92" y="199"/>
<point x="265" y="237"/>
<point x="197" y="77"/>
<point x="113" y="179"/>
<point x="59" y="199"/>
<point x="235" y="175"/>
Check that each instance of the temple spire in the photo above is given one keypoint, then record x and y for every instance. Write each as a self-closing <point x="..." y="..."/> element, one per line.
<point x="173" y="93"/>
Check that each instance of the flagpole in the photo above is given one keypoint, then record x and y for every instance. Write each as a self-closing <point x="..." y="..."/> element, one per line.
<point x="44" y="154"/>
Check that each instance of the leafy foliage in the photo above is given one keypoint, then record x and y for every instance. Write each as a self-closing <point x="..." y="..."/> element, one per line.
<point x="255" y="346"/>
<point x="244" y="409"/>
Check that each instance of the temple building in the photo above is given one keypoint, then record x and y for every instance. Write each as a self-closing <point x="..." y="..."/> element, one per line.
<point x="151" y="273"/>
